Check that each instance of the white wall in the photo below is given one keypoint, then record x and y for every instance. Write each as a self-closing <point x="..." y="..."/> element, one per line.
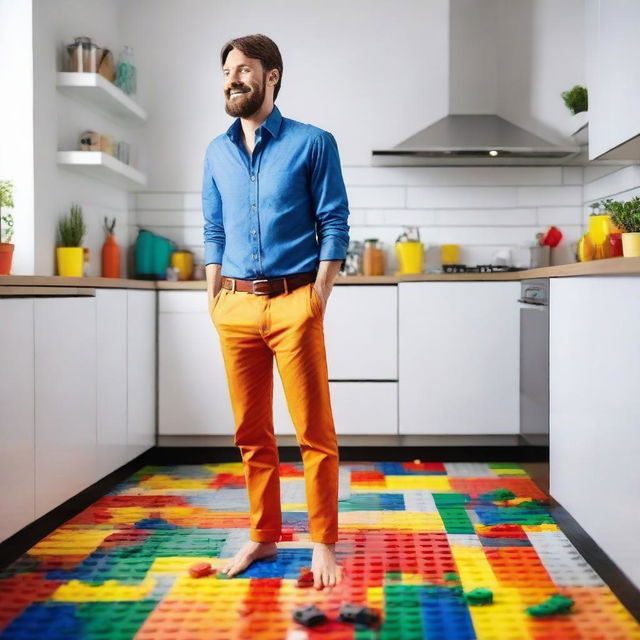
<point x="381" y="75"/>
<point x="58" y="121"/>
<point x="16" y="125"/>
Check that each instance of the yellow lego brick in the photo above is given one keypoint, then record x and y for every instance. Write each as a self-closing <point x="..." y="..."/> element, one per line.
<point x="109" y="591"/>
<point x="181" y="564"/>
<point x="294" y="506"/>
<point x="473" y="567"/>
<point x="209" y="589"/>
<point x="70" y="541"/>
<point x="428" y="483"/>
<point x="540" y="527"/>
<point x="391" y="520"/>
<point x="234" y="468"/>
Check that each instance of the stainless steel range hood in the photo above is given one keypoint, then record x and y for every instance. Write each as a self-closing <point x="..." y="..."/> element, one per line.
<point x="481" y="84"/>
<point x="485" y="139"/>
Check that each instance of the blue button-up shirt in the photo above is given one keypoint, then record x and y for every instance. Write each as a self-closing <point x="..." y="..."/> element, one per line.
<point x="262" y="211"/>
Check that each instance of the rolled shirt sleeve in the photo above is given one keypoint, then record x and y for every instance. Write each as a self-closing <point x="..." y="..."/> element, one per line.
<point x="329" y="196"/>
<point x="214" y="238"/>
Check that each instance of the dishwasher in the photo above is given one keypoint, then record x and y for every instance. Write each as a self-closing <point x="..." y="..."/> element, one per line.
<point x="534" y="361"/>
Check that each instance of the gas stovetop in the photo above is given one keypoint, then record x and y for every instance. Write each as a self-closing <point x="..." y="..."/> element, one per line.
<point x="479" y="268"/>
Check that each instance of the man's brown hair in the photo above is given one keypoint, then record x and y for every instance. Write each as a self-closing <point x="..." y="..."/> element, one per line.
<point x="261" y="47"/>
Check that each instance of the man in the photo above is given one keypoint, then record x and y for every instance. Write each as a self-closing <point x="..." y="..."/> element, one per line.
<point x="270" y="184"/>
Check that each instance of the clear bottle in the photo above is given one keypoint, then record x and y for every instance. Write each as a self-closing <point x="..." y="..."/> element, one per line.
<point x="126" y="72"/>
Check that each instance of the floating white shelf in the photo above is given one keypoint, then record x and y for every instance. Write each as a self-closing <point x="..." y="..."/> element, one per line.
<point x="102" y="166"/>
<point x="99" y="92"/>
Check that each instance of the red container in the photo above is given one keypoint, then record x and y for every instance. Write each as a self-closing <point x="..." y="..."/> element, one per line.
<point x="615" y="244"/>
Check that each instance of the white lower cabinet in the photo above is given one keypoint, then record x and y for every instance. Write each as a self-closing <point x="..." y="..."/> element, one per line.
<point x="458" y="357"/>
<point x="141" y="371"/>
<point x="193" y="396"/>
<point x="17" y="423"/>
<point x="361" y="332"/>
<point x="361" y="337"/>
<point x="65" y="399"/>
<point x="594" y="439"/>
<point x="359" y="408"/>
<point x="111" y="383"/>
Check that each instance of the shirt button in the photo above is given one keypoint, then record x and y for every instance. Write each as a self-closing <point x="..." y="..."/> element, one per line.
<point x="253" y="206"/>
<point x="255" y="256"/>
<point x="253" y="231"/>
<point x="253" y="178"/>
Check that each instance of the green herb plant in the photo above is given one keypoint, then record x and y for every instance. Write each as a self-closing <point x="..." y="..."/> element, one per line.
<point x="71" y="229"/>
<point x="6" y="200"/>
<point x="625" y="215"/>
<point x="576" y="99"/>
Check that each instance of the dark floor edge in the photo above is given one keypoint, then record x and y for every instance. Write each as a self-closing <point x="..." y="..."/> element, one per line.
<point x="20" y="542"/>
<point x="600" y="562"/>
<point x="509" y="453"/>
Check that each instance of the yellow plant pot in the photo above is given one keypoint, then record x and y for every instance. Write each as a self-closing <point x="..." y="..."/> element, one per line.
<point x="631" y="245"/>
<point x="70" y="261"/>
<point x="410" y="256"/>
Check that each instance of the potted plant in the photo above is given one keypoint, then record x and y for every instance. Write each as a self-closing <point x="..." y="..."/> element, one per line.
<point x="6" y="227"/>
<point x="577" y="101"/>
<point x="69" y="253"/>
<point x="626" y="216"/>
<point x="110" y="252"/>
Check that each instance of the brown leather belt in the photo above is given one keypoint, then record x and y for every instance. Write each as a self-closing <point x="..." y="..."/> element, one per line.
<point x="269" y="286"/>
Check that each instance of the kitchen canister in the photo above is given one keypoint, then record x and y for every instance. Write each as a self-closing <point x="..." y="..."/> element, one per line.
<point x="183" y="262"/>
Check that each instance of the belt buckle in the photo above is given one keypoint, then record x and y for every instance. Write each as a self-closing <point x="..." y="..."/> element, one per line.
<point x="259" y="293"/>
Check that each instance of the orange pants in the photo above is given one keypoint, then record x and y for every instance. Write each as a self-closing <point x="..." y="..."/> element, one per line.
<point x="252" y="329"/>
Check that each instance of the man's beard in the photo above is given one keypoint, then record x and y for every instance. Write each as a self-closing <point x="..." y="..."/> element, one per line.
<point x="248" y="104"/>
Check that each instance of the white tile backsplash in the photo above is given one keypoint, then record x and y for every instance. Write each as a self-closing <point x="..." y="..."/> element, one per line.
<point x="484" y="209"/>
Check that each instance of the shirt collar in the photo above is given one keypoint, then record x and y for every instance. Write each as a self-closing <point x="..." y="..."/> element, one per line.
<point x="272" y="124"/>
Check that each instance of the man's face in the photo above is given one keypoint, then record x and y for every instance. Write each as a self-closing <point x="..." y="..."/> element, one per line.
<point x="244" y="84"/>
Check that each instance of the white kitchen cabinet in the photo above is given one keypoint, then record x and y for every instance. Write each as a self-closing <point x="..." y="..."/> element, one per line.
<point x="613" y="79"/>
<point x="361" y="332"/>
<point x="65" y="399"/>
<point x="141" y="371"/>
<point x="17" y="430"/>
<point x="359" y="408"/>
<point x="193" y="392"/>
<point x="111" y="383"/>
<point x="459" y="357"/>
<point x="595" y="408"/>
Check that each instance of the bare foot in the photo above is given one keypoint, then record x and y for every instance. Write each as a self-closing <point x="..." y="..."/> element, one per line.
<point x="250" y="551"/>
<point x="326" y="573"/>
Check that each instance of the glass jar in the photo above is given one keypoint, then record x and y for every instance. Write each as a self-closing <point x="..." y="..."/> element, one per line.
<point x="373" y="258"/>
<point x="126" y="72"/>
<point x="83" y="55"/>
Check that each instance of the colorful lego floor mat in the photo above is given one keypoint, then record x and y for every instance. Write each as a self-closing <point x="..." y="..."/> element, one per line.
<point x="437" y="551"/>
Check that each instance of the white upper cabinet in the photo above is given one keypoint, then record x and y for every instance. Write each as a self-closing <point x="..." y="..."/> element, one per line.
<point x="459" y="358"/>
<point x="612" y="51"/>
